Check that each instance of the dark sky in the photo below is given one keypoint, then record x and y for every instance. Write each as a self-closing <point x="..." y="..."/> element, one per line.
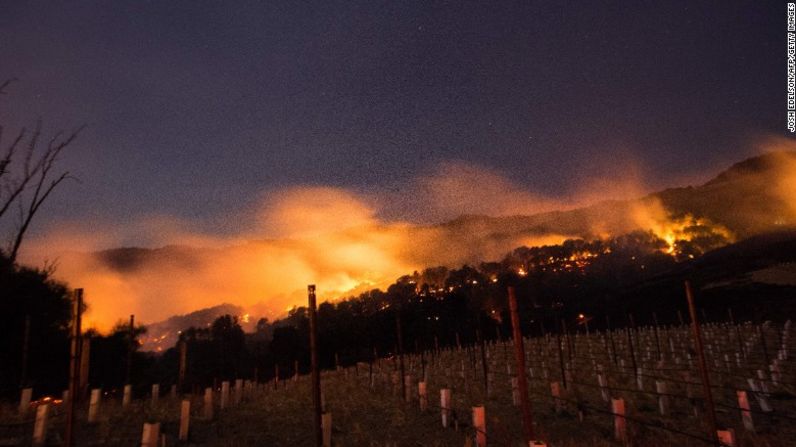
<point x="194" y="109"/>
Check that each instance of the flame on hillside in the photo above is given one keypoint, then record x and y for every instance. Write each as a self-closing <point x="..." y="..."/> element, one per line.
<point x="271" y="275"/>
<point x="338" y="240"/>
<point x="676" y="231"/>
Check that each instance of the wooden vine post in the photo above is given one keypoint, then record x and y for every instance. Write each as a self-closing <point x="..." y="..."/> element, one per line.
<point x="519" y="357"/>
<point x="702" y="366"/>
<point x="400" y="348"/>
<point x="316" y="374"/>
<point x="130" y="350"/>
<point x="183" y="366"/>
<point x="23" y="375"/>
<point x="74" y="367"/>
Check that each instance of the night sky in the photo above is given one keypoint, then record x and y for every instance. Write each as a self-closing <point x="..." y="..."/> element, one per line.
<point x="197" y="109"/>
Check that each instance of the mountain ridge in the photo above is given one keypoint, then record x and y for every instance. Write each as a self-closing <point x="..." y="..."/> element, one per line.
<point x="675" y="199"/>
<point x="748" y="198"/>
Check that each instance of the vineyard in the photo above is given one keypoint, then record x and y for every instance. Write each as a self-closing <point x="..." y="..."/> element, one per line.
<point x="633" y="386"/>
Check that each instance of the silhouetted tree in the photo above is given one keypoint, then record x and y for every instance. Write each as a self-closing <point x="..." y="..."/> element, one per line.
<point x="28" y="174"/>
<point x="230" y="345"/>
<point x="32" y="293"/>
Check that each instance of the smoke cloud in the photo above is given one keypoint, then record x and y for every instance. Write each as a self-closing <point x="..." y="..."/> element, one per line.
<point x="345" y="242"/>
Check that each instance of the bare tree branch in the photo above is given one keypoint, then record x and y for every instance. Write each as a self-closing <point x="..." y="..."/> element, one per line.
<point x="50" y="266"/>
<point x="34" y="173"/>
<point x="36" y="201"/>
<point x="6" y="160"/>
<point x="16" y="187"/>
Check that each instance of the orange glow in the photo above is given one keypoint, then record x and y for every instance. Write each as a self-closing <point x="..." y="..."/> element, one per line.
<point x="652" y="216"/>
<point x="46" y="400"/>
<point x="341" y="241"/>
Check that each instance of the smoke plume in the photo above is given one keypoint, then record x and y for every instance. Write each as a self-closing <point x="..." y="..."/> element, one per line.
<point x="343" y="241"/>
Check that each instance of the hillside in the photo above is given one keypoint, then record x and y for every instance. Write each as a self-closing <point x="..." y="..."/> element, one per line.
<point x="747" y="199"/>
<point x="165" y="333"/>
<point x="266" y="277"/>
<point x="754" y="196"/>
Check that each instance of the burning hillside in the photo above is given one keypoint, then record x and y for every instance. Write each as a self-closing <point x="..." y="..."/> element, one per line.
<point x="164" y="334"/>
<point x="335" y="239"/>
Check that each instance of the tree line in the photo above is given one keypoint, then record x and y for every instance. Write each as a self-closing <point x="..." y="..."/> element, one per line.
<point x="558" y="288"/>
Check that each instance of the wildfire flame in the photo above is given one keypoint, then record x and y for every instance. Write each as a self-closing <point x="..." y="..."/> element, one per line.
<point x="346" y="244"/>
<point x="653" y="217"/>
